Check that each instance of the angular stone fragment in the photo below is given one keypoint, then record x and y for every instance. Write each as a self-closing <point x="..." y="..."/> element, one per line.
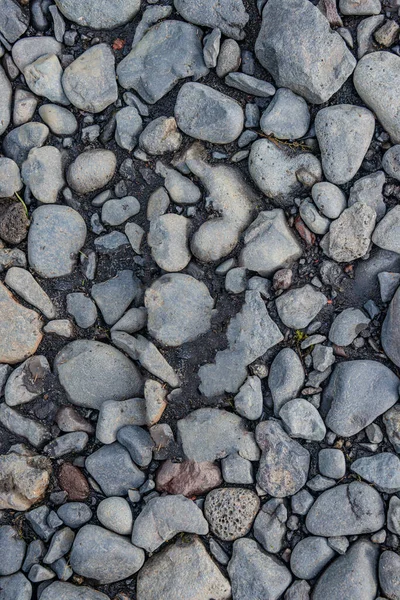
<point x="23" y="480"/>
<point x="349" y="509"/>
<point x="20" y="329"/>
<point x="189" y="478"/>
<point x="115" y="414"/>
<point x="286" y="377"/>
<point x="35" y="432"/>
<point x="286" y="117"/>
<point x="113" y="469"/>
<point x="382" y="470"/>
<point x="349" y="401"/>
<point x="282" y="173"/>
<point x="182" y="566"/>
<point x="294" y="38"/>
<point x="349" y="236"/>
<point x="347" y="325"/>
<point x="298" y="307"/>
<point x="391" y="420"/>
<point x="230" y="17"/>
<point x="104" y="556"/>
<point x="208" y="434"/>
<point x="168" y="52"/>
<point x="44" y="78"/>
<point x="162" y="518"/>
<point x="89" y="81"/>
<point x="269" y="244"/>
<point x="284" y="462"/>
<point x="92" y="372"/>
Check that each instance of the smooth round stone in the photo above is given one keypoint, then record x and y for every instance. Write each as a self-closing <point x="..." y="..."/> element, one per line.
<point x="161" y="135"/>
<point x="5" y="101"/>
<point x="60" y="120"/>
<point x="99" y="14"/>
<point x="92" y="372"/>
<point x="310" y="556"/>
<point x="205" y="114"/>
<point x="168" y="240"/>
<point x="91" y="170"/>
<point x="118" y="210"/>
<point x="43" y="173"/>
<point x="179" y="309"/>
<point x="330" y="199"/>
<point x="74" y="514"/>
<point x="60" y="590"/>
<point x="12" y="550"/>
<point x="56" y="235"/>
<point x="115" y="514"/>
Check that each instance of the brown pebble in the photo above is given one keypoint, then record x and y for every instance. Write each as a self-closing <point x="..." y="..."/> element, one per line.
<point x="73" y="481"/>
<point x="13" y="221"/>
<point x="188" y="478"/>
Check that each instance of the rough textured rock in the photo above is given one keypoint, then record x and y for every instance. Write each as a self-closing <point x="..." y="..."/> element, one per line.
<point x="44" y="78"/>
<point x="269" y="244"/>
<point x="162" y="518"/>
<point x="282" y="173"/>
<point x="349" y="400"/>
<point x="209" y="433"/>
<point x="20" y="329"/>
<point x="105" y="556"/>
<point x="5" y="102"/>
<point x="349" y="236"/>
<point x="179" y="309"/>
<point x="206" y="114"/>
<point x="389" y="580"/>
<point x="23" y="480"/>
<point x="302" y="420"/>
<point x="255" y="574"/>
<point x="99" y="14"/>
<point x="284" y="462"/>
<point x="349" y="509"/>
<point x="168" y="52"/>
<point x="92" y="372"/>
<point x="220" y="504"/>
<point x="297" y="308"/>
<point x="184" y="565"/>
<point x="297" y="24"/>
<point x="376" y="78"/>
<point x="391" y="421"/>
<point x="352" y="575"/>
<point x="344" y="133"/>
<point x="389" y="336"/>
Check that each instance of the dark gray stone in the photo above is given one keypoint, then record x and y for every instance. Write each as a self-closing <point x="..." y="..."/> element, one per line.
<point x="74" y="514"/>
<point x="138" y="442"/>
<point x="115" y="295"/>
<point x="19" y="142"/>
<point x="382" y="470"/>
<point x="16" y="587"/>
<point x="286" y="378"/>
<point x="310" y="556"/>
<point x="82" y="308"/>
<point x="112" y="467"/>
<point x="12" y="550"/>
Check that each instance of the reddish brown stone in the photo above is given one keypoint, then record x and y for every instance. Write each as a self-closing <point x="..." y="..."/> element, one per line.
<point x="73" y="481"/>
<point x="189" y="478"/>
<point x="304" y="232"/>
<point x="283" y="279"/>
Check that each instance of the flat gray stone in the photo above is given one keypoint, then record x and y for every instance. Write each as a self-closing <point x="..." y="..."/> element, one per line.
<point x="286" y="117"/>
<point x="347" y="325"/>
<point x="229" y="57"/>
<point x="344" y="133"/>
<point x="115" y="295"/>
<point x="56" y="235"/>
<point x="280" y="174"/>
<point x="255" y="574"/>
<point x="91" y="170"/>
<point x="269" y="244"/>
<point x="286" y="377"/>
<point x="74" y="514"/>
<point x="162" y="518"/>
<point x="298" y="307"/>
<point x="249" y="400"/>
<point x="99" y="14"/>
<point x="25" y="285"/>
<point x="369" y="189"/>
<point x="35" y="432"/>
<point x="17" y="20"/>
<point x="206" y="114"/>
<point x="376" y="78"/>
<point x="16" y="587"/>
<point x="349" y="401"/>
<point x="230" y="18"/>
<point x="386" y="233"/>
<point x="332" y="463"/>
<point x="113" y="469"/>
<point x="179" y="309"/>
<point x="44" y="78"/>
<point x="168" y="239"/>
<point x="59" y="590"/>
<point x="284" y="463"/>
<point x="391" y="162"/>
<point x="105" y="556"/>
<point x="138" y="442"/>
<point x="12" y="550"/>
<point x="349" y="509"/>
<point x="310" y="556"/>
<point x="349" y="237"/>
<point x="288" y="26"/>
<point x="6" y="100"/>
<point x="128" y="127"/>
<point x="208" y="434"/>
<point x="168" y="52"/>
<point x="181" y="566"/>
<point x="250" y="85"/>
<point x="115" y="414"/>
<point x="181" y="189"/>
<point x="19" y="141"/>
<point x="10" y="180"/>
<point x="82" y="308"/>
<point x="302" y="420"/>
<point x="28" y="49"/>
<point x="270" y="525"/>
<point x="389" y="565"/>
<point x="43" y="173"/>
<point x="115" y="514"/>
<point x="382" y="470"/>
<point x="92" y="372"/>
<point x="360" y="7"/>
<point x="389" y="332"/>
<point x="60" y="120"/>
<point x="351" y="576"/>
<point x="89" y="81"/>
<point x="391" y="420"/>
